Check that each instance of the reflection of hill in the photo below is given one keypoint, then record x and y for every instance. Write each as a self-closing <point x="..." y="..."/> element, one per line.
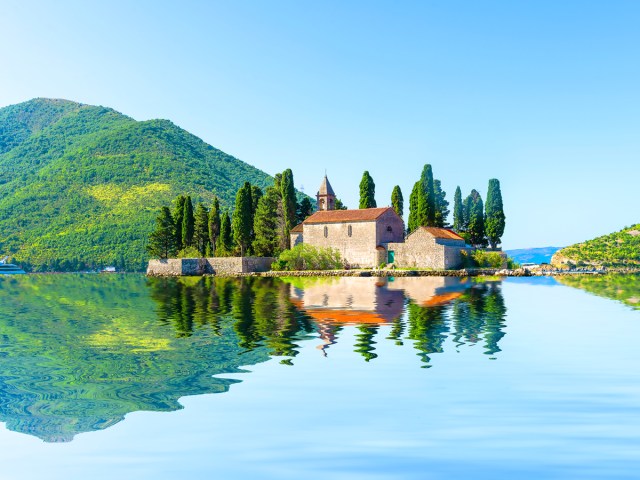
<point x="80" y="352"/>
<point x="623" y="288"/>
<point x="77" y="353"/>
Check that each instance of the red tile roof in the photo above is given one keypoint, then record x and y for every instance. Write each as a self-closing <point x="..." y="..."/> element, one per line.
<point x="443" y="233"/>
<point x="296" y="229"/>
<point x="340" y="216"/>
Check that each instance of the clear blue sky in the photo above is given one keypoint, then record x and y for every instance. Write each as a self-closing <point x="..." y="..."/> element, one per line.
<point x="543" y="95"/>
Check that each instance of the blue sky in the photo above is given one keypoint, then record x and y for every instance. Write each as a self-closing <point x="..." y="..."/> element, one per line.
<point x="543" y="95"/>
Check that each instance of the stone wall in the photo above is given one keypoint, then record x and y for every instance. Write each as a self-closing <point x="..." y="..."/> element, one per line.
<point x="295" y="238"/>
<point x="423" y="250"/>
<point x="359" y="249"/>
<point x="213" y="266"/>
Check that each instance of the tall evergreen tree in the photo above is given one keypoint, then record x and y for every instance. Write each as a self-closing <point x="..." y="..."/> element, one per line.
<point x="305" y="208"/>
<point x="214" y="224"/>
<point x="426" y="200"/>
<point x="188" y="223"/>
<point x="162" y="241"/>
<point x="201" y="230"/>
<point x="495" y="218"/>
<point x="414" y="201"/>
<point x="442" y="205"/>
<point x="466" y="212"/>
<point x="289" y="200"/>
<point x="256" y="194"/>
<point x="458" y="220"/>
<point x="288" y="205"/>
<point x="367" y="192"/>
<point x="397" y="202"/>
<point x="242" y="221"/>
<point x="224" y="245"/>
<point x="339" y="205"/>
<point x="178" y="216"/>
<point x="476" y="230"/>
<point x="265" y="224"/>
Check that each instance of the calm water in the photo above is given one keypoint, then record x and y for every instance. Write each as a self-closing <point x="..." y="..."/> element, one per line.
<point x="109" y="376"/>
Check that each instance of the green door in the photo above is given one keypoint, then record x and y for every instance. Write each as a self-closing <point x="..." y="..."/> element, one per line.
<point x="391" y="255"/>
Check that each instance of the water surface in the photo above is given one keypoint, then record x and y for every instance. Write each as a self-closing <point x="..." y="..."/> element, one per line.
<point x="119" y="375"/>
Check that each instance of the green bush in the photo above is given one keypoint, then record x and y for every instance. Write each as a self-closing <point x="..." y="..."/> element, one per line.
<point x="486" y="259"/>
<point x="307" y="257"/>
<point x="189" y="252"/>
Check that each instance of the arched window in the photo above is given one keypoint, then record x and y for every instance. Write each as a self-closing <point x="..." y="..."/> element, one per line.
<point x="389" y="229"/>
<point x="326" y="232"/>
<point x="349" y="230"/>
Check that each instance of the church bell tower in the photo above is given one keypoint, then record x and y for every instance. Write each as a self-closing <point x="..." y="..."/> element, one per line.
<point x="325" y="196"/>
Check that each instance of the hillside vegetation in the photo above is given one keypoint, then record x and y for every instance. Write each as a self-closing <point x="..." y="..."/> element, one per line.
<point x="619" y="249"/>
<point x="83" y="184"/>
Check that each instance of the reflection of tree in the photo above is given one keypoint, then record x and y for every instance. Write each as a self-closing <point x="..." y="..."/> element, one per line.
<point x="364" y="341"/>
<point x="428" y="328"/>
<point x="397" y="329"/>
<point x="480" y="313"/>
<point x="259" y="309"/>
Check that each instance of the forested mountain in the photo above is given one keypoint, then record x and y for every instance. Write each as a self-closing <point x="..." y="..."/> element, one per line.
<point x="619" y="249"/>
<point x="81" y="183"/>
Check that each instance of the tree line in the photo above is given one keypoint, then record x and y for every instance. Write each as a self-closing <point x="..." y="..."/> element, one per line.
<point x="259" y="224"/>
<point x="477" y="222"/>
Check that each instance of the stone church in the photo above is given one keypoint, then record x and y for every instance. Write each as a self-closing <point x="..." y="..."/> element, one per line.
<point x="369" y="237"/>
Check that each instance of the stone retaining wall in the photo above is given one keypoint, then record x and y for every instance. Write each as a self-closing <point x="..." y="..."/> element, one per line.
<point x="211" y="266"/>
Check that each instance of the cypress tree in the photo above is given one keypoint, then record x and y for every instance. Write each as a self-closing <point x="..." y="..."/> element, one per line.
<point x="201" y="230"/>
<point x="188" y="223"/>
<point x="242" y="221"/>
<point x="495" y="218"/>
<point x="466" y="213"/>
<point x="426" y="200"/>
<point x="397" y="202"/>
<point x="178" y="215"/>
<point x="162" y="241"/>
<point x="224" y="245"/>
<point x="339" y="205"/>
<point x="214" y="224"/>
<point x="442" y="205"/>
<point x="476" y="219"/>
<point x="304" y="210"/>
<point x="458" y="220"/>
<point x="256" y="194"/>
<point x="265" y="225"/>
<point x="414" y="200"/>
<point x="367" y="191"/>
<point x="289" y="202"/>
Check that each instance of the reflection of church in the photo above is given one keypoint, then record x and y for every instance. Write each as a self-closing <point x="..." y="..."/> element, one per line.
<point x="368" y="302"/>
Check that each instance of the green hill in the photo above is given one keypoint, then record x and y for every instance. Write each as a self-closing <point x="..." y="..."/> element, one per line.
<point x="619" y="249"/>
<point x="85" y="183"/>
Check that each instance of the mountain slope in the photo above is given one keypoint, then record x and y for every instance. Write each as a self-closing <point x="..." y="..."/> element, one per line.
<point x="84" y="183"/>
<point x="619" y="249"/>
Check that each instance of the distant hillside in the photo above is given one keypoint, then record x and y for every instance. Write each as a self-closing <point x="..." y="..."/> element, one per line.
<point x="86" y="183"/>
<point x="532" y="255"/>
<point x="620" y="249"/>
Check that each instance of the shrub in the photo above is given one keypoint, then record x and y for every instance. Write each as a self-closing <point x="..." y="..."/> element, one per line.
<point x="307" y="257"/>
<point x="484" y="259"/>
<point x="189" y="252"/>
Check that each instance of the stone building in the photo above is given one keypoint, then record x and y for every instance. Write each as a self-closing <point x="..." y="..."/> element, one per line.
<point x="428" y="247"/>
<point x="360" y="236"/>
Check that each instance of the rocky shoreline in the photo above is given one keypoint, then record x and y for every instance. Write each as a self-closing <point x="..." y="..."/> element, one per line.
<point x="471" y="272"/>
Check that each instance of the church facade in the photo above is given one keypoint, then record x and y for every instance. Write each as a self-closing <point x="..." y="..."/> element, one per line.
<point x="369" y="237"/>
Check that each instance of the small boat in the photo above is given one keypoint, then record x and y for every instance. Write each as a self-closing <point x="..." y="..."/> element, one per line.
<point x="9" y="268"/>
<point x="108" y="270"/>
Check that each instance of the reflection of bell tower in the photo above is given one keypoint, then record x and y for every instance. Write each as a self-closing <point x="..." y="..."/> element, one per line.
<point x="325" y="196"/>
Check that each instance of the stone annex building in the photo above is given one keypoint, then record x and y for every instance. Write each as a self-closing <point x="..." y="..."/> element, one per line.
<point x="369" y="237"/>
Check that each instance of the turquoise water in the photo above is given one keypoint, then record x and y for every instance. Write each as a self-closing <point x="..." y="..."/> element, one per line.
<point x="116" y="375"/>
